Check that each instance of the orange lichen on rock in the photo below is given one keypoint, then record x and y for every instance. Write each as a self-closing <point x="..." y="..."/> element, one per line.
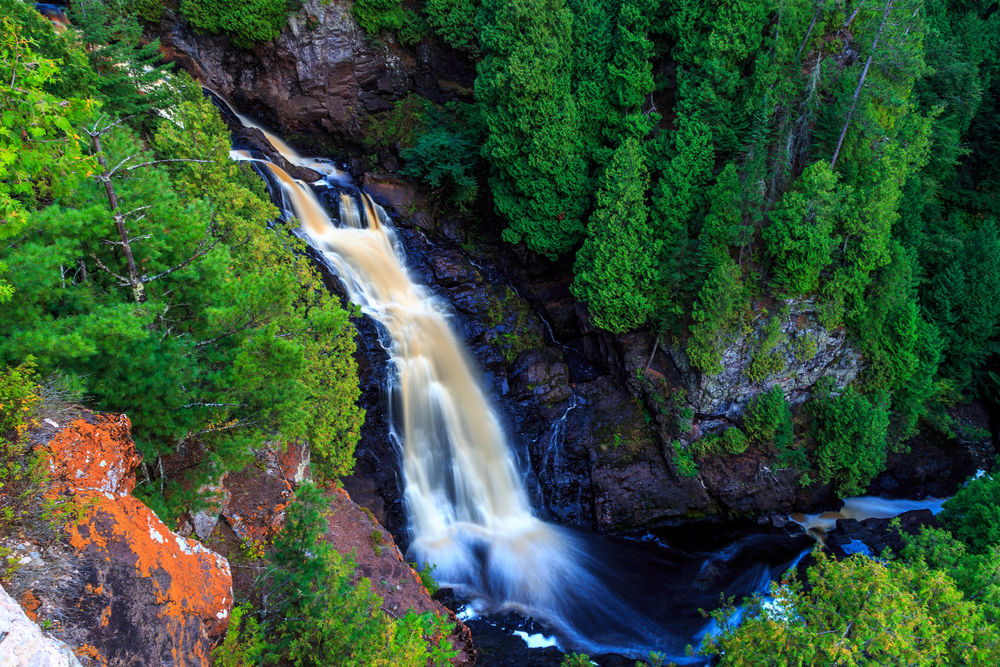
<point x="95" y="455"/>
<point x="169" y="594"/>
<point x="188" y="577"/>
<point x="30" y="604"/>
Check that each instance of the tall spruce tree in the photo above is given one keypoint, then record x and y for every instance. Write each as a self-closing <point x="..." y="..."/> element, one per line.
<point x="616" y="269"/>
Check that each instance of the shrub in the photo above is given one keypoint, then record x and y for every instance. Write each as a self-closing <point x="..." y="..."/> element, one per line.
<point x="850" y="432"/>
<point x="244" y="645"/>
<point x="686" y="466"/>
<point x="325" y="616"/>
<point x="444" y="161"/>
<point x="377" y="16"/>
<point x="735" y="441"/>
<point x="247" y="22"/>
<point x="768" y="419"/>
<point x="973" y="514"/>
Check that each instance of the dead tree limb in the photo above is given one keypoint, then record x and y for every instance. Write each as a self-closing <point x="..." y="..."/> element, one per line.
<point x="861" y="82"/>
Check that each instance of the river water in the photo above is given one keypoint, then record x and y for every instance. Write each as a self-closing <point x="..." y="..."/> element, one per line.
<point x="468" y="510"/>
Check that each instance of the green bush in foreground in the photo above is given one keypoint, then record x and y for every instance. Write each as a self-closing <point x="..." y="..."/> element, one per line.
<point x="320" y="615"/>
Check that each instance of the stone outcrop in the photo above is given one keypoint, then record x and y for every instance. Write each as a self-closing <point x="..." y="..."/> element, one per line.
<point x="872" y="537"/>
<point x="321" y="75"/>
<point x="23" y="643"/>
<point x="149" y="595"/>
<point x="353" y="530"/>
<point x="806" y="351"/>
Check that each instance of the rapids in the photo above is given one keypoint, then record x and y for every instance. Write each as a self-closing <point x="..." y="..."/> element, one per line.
<point x="468" y="510"/>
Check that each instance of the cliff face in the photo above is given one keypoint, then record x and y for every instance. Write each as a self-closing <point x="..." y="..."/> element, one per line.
<point x="316" y="81"/>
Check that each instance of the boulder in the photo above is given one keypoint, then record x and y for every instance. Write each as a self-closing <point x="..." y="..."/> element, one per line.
<point x="22" y="643"/>
<point x="149" y="596"/>
<point x="872" y="537"/>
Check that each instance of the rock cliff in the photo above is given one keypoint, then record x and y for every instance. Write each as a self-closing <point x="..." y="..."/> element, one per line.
<point x="147" y="594"/>
<point x="319" y="77"/>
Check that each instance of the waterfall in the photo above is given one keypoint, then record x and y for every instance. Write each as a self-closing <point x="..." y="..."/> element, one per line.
<point x="469" y="512"/>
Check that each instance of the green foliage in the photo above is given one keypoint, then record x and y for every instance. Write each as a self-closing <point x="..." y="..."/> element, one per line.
<point x="454" y="21"/>
<point x="684" y="460"/>
<point x="28" y="505"/>
<point x="732" y="441"/>
<point x="765" y="360"/>
<point x="426" y="573"/>
<point x="130" y="81"/>
<point x="539" y="184"/>
<point x="244" y="645"/>
<point x="247" y="22"/>
<point x="768" y="420"/>
<point x="721" y="302"/>
<point x="859" y="612"/>
<point x="377" y="16"/>
<point x="444" y="161"/>
<point x="324" y="616"/>
<point x="39" y="154"/>
<point x="850" y="432"/>
<point x="575" y="660"/>
<point x="150" y="11"/>
<point x="236" y="340"/>
<point x="969" y="515"/>
<point x="616" y="267"/>
<point x="800" y="234"/>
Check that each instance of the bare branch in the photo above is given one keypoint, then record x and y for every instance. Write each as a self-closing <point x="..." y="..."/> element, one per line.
<point x="100" y="265"/>
<point x="180" y="266"/>
<point x="115" y="172"/>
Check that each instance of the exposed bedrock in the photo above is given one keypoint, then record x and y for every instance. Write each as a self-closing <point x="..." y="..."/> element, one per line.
<point x="320" y="81"/>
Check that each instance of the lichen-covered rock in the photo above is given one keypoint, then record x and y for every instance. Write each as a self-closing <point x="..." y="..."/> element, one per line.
<point x="794" y="353"/>
<point x="150" y="595"/>
<point x="22" y="643"/>
<point x="256" y="509"/>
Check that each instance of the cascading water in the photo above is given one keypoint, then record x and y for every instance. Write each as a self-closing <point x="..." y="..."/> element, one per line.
<point x="469" y="512"/>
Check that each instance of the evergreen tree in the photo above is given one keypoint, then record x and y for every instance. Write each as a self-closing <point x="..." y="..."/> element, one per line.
<point x="800" y="236"/>
<point x="540" y="177"/>
<point x="617" y="266"/>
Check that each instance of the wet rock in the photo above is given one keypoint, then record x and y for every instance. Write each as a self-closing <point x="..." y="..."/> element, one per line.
<point x="932" y="465"/>
<point x="22" y="641"/>
<point x="876" y="534"/>
<point x="149" y="595"/>
<point x="542" y="375"/>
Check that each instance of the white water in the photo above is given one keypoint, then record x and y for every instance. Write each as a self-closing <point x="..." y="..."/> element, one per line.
<point x="861" y="508"/>
<point x="469" y="512"/>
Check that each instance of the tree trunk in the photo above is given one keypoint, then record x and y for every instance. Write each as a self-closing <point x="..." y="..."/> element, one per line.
<point x="138" y="289"/>
<point x="861" y="82"/>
